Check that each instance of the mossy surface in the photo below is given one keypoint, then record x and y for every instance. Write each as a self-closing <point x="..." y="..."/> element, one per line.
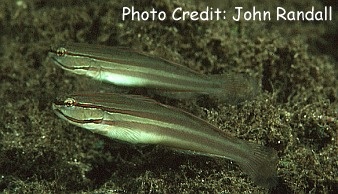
<point x="296" y="114"/>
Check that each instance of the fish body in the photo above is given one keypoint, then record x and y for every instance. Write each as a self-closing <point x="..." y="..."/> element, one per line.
<point x="124" y="67"/>
<point x="140" y="120"/>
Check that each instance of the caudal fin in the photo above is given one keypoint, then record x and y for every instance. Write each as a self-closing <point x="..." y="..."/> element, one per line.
<point x="261" y="165"/>
<point x="235" y="88"/>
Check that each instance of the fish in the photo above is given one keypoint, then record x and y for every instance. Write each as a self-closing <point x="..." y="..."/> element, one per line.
<point x="129" y="68"/>
<point x="140" y="120"/>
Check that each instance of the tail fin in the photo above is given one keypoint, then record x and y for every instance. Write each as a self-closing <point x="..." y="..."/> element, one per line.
<point x="261" y="165"/>
<point x="235" y="88"/>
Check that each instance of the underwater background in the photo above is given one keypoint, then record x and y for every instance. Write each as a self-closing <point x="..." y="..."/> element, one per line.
<point x="296" y="114"/>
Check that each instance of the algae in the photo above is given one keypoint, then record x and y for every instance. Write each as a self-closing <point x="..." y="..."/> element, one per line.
<point x="296" y="114"/>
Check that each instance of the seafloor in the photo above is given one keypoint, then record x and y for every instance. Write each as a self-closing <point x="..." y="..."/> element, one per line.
<point x="296" y="114"/>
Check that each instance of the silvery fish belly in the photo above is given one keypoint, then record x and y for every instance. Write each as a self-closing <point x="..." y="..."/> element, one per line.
<point x="129" y="68"/>
<point x="137" y="119"/>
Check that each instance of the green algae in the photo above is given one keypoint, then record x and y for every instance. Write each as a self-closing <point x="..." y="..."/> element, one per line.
<point x="296" y="115"/>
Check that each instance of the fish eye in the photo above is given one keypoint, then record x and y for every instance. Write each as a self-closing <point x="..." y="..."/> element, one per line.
<point x="69" y="102"/>
<point x="61" y="52"/>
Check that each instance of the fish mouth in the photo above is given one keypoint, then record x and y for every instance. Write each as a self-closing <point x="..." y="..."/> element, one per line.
<point x="52" y="55"/>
